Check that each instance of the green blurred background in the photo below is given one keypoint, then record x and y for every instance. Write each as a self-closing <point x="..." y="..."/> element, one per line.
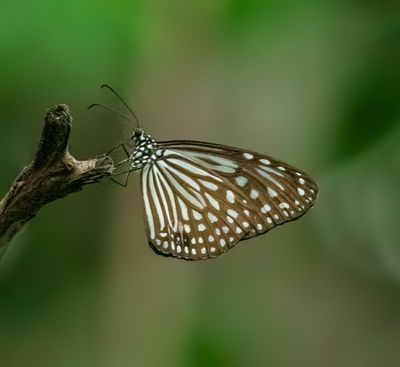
<point x="314" y="83"/>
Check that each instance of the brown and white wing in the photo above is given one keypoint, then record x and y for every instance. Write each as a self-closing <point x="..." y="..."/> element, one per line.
<point x="201" y="199"/>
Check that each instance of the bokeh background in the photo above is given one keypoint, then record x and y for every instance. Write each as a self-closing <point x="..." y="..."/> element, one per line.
<point x="314" y="83"/>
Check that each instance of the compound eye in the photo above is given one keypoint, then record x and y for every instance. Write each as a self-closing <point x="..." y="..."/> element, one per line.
<point x="138" y="132"/>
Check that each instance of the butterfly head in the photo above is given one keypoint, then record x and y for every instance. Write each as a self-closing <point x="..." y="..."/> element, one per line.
<point x="137" y="133"/>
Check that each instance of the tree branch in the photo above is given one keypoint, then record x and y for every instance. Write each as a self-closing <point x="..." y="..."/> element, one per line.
<point x="53" y="174"/>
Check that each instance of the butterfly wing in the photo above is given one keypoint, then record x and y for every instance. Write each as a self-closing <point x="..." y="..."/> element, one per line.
<point x="201" y="199"/>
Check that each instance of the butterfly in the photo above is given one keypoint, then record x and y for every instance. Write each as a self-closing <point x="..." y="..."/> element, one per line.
<point x="201" y="199"/>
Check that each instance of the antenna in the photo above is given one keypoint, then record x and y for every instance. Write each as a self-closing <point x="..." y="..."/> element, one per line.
<point x="123" y="102"/>
<point x="109" y="109"/>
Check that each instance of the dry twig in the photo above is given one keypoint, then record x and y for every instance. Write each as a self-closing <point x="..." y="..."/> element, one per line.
<point x="53" y="174"/>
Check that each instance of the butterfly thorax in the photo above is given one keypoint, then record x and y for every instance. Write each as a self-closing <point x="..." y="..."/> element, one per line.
<point x="145" y="150"/>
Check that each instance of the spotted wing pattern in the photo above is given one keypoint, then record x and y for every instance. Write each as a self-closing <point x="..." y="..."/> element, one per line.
<point x="201" y="199"/>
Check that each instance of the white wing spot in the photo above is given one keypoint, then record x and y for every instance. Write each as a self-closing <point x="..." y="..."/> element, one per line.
<point x="212" y="201"/>
<point x="193" y="241"/>
<point x="248" y="155"/>
<point x="165" y="244"/>
<point x="245" y="224"/>
<point x="272" y="193"/>
<point x="284" y="205"/>
<point x="265" y="208"/>
<point x="265" y="161"/>
<point x="197" y="215"/>
<point x="218" y="232"/>
<point x="213" y="249"/>
<point x="269" y="220"/>
<point x="163" y="234"/>
<point x="194" y="251"/>
<point x="200" y="240"/>
<point x="201" y="227"/>
<point x="254" y="194"/>
<point x="209" y="185"/>
<point x="246" y="212"/>
<point x="210" y="239"/>
<point x="297" y="202"/>
<point x="212" y="217"/>
<point x="229" y="219"/>
<point x="276" y="216"/>
<point x="231" y="239"/>
<point x="241" y="180"/>
<point x="187" y="228"/>
<point x="238" y="230"/>
<point x="232" y="213"/>
<point x="158" y="242"/>
<point x="222" y="242"/>
<point x="230" y="196"/>
<point x="300" y="191"/>
<point x="259" y="227"/>
<point x="301" y="180"/>
<point x="281" y="168"/>
<point x="285" y="213"/>
<point x="225" y="229"/>
<point x="186" y="249"/>
<point x="203" y="250"/>
<point x="178" y="249"/>
<point x="298" y="173"/>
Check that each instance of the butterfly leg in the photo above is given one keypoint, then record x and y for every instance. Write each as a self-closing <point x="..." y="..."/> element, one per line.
<point x="125" y="149"/>
<point x="127" y="173"/>
<point x="117" y="146"/>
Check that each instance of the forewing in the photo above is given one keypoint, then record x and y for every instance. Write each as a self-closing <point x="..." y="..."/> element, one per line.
<point x="201" y="199"/>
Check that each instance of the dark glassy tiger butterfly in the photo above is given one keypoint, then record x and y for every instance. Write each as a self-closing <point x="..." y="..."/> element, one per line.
<point x="201" y="199"/>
